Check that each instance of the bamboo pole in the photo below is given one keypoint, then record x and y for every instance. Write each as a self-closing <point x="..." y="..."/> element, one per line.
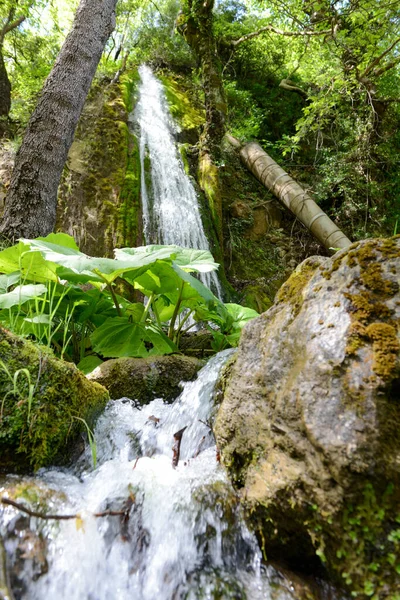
<point x="293" y="196"/>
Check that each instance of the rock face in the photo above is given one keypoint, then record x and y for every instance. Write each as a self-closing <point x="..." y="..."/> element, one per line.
<point x="144" y="379"/>
<point x="309" y="426"/>
<point x="42" y="403"/>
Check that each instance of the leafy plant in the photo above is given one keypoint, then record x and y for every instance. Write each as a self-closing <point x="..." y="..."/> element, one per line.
<point x="58" y="295"/>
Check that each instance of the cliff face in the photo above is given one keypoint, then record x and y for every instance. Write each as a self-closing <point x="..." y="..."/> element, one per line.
<point x="310" y="419"/>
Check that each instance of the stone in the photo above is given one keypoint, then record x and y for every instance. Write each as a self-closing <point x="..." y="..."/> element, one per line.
<point x="144" y="379"/>
<point x="309" y="426"/>
<point x="43" y="401"/>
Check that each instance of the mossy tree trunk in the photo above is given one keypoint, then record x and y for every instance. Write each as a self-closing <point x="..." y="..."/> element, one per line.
<point x="196" y="25"/>
<point x="31" y="203"/>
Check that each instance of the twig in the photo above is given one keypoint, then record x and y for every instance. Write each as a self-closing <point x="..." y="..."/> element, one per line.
<point x="176" y="448"/>
<point x="33" y="513"/>
<point x="199" y="447"/>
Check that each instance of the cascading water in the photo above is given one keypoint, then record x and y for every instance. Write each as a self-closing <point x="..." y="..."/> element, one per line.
<point x="171" y="212"/>
<point x="184" y="539"/>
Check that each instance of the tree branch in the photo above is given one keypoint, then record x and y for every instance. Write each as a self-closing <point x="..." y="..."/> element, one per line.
<point x="288" y="85"/>
<point x="378" y="59"/>
<point x="10" y="26"/>
<point x="272" y="29"/>
<point x="39" y="515"/>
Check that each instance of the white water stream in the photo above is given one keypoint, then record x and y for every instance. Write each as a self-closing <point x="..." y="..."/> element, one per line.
<point x="185" y="538"/>
<point x="171" y="212"/>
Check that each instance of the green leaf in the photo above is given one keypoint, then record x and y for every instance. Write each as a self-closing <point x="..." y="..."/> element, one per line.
<point x="200" y="261"/>
<point x="7" y="281"/>
<point x="89" y="363"/>
<point x="240" y="315"/>
<point x="196" y="285"/>
<point x="21" y="294"/>
<point x="61" y="239"/>
<point x="10" y="258"/>
<point x="119" y="337"/>
<point x="135" y="311"/>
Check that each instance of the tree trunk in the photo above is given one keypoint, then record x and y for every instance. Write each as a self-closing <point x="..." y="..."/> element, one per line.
<point x="292" y="195"/>
<point x="195" y="24"/>
<point x="5" y="89"/>
<point x="31" y="203"/>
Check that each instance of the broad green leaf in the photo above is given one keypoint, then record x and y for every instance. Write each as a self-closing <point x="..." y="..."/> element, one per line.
<point x="135" y="311"/>
<point x="21" y="294"/>
<point x="240" y="315"/>
<point x="160" y="278"/>
<point x="35" y="267"/>
<point x="199" y="287"/>
<point x="89" y="363"/>
<point x="61" y="239"/>
<point x="10" y="258"/>
<point x="119" y="337"/>
<point x="7" y="281"/>
<point x="200" y="261"/>
<point x="154" y="252"/>
<point x="165" y="308"/>
<point x="161" y="343"/>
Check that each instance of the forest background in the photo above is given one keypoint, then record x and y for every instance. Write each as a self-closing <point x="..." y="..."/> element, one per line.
<point x="316" y="83"/>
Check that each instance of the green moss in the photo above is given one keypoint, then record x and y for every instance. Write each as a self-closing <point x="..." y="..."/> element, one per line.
<point x="37" y="430"/>
<point x="365" y="555"/>
<point x="371" y="319"/>
<point x="185" y="108"/>
<point x="292" y="290"/>
<point x="254" y="296"/>
<point x="385" y="347"/>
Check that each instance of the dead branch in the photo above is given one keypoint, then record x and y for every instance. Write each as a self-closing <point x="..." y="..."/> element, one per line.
<point x="39" y="515"/>
<point x="176" y="448"/>
<point x="199" y="447"/>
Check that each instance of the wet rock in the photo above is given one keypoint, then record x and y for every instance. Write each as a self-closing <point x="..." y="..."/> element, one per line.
<point x="43" y="402"/>
<point x="309" y="427"/>
<point x="144" y="379"/>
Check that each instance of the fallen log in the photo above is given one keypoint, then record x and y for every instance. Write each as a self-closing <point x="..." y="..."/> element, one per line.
<point x="293" y="196"/>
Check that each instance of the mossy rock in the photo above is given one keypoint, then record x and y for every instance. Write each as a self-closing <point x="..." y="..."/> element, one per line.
<point x="99" y="194"/>
<point x="41" y="415"/>
<point x="309" y="426"/>
<point x="144" y="379"/>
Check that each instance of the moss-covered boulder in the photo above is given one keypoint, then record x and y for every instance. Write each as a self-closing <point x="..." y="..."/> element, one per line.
<point x="309" y="426"/>
<point x="144" y="379"/>
<point x="42" y="403"/>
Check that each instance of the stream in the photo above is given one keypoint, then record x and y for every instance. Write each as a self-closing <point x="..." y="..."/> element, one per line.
<point x="183" y="535"/>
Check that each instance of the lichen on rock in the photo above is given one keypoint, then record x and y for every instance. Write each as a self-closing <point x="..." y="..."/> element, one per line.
<point x="309" y="427"/>
<point x="43" y="402"/>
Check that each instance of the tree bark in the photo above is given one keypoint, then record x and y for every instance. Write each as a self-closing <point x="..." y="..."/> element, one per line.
<point x="5" y="89"/>
<point x="30" y="209"/>
<point x="293" y="196"/>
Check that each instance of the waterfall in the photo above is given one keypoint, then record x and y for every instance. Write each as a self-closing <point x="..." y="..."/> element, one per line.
<point x="185" y="538"/>
<point x="171" y="212"/>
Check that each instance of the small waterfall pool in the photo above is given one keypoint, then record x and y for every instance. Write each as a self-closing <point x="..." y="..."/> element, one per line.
<point x="171" y="213"/>
<point x="182" y="536"/>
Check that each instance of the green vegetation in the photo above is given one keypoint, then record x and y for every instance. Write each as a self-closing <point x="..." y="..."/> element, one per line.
<point x="71" y="302"/>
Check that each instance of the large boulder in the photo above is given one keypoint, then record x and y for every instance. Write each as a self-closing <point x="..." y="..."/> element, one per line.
<point x="309" y="426"/>
<point x="43" y="403"/>
<point x="144" y="379"/>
